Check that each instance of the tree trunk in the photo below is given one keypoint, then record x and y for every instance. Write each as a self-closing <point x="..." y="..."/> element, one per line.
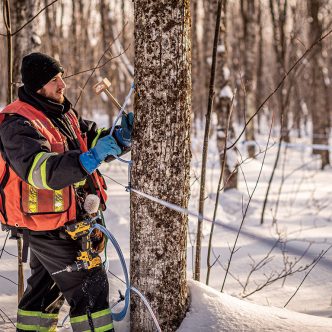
<point x="319" y="96"/>
<point x="26" y="41"/>
<point x="260" y="80"/>
<point x="108" y="21"/>
<point x="208" y="26"/>
<point x="197" y="86"/>
<point x="51" y="35"/>
<point x="223" y="102"/>
<point x="248" y="12"/>
<point x="278" y="12"/>
<point x="161" y="162"/>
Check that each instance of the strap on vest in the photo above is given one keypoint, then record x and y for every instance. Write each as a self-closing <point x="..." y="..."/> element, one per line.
<point x="25" y="248"/>
<point x="17" y="233"/>
<point x="3" y="183"/>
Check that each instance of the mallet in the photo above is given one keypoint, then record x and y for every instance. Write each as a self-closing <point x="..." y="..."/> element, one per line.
<point x="103" y="86"/>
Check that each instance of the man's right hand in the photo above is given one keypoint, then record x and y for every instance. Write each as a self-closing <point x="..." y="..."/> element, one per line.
<point x="105" y="147"/>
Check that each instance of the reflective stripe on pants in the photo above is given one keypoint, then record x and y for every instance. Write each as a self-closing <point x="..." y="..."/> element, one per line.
<point x="101" y="320"/>
<point x="36" y="321"/>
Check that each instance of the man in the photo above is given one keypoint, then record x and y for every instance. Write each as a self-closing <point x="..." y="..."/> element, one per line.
<point x="49" y="165"/>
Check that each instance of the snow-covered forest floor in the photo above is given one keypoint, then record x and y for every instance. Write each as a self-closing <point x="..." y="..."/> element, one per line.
<point x="302" y="222"/>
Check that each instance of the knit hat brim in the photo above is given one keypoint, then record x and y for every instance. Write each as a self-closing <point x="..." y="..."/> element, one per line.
<point x="38" y="69"/>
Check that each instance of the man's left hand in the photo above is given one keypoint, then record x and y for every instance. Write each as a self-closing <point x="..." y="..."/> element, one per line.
<point x="123" y="134"/>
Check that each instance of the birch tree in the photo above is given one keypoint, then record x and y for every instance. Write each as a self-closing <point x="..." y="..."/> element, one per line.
<point x="161" y="160"/>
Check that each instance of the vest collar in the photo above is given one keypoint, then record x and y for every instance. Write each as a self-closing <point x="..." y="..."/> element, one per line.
<point x="48" y="107"/>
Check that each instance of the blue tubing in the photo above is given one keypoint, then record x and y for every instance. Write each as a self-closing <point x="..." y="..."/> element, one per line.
<point x="120" y="315"/>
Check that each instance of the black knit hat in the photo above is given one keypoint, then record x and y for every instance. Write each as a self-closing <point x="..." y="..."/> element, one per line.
<point x="38" y="69"/>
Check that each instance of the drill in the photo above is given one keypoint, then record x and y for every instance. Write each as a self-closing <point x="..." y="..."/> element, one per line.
<point x="87" y="258"/>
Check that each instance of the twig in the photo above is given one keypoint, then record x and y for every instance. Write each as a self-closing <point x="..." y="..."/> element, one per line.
<point x="29" y="21"/>
<point x="247" y="207"/>
<point x="284" y="273"/>
<point x="9" y="253"/>
<point x="97" y="67"/>
<point x="221" y="177"/>
<point x="93" y="70"/>
<point x="1" y="276"/>
<point x="206" y="144"/>
<point x="307" y="273"/>
<point x="4" y="244"/>
<point x="255" y="267"/>
<point x="280" y="84"/>
<point x="7" y="317"/>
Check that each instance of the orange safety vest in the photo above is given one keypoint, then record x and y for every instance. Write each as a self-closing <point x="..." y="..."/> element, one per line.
<point x="24" y="206"/>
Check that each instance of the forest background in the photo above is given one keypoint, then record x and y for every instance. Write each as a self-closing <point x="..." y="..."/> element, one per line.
<point x="272" y="84"/>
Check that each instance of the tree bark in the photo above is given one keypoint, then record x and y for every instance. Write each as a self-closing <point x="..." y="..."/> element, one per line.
<point x="208" y="26"/>
<point x="25" y="41"/>
<point x="108" y="21"/>
<point x="52" y="35"/>
<point x="223" y="102"/>
<point x="197" y="86"/>
<point x="260" y="65"/>
<point x="278" y="12"/>
<point x="319" y="95"/>
<point x="161" y="162"/>
<point x="248" y="12"/>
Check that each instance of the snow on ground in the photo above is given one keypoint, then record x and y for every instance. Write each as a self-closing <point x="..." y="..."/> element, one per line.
<point x="211" y="310"/>
<point x="300" y="217"/>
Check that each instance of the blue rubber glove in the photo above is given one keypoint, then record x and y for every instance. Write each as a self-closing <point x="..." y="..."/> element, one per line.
<point x="105" y="146"/>
<point x="123" y="134"/>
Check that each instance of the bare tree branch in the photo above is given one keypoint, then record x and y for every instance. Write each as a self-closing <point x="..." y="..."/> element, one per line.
<point x="98" y="66"/>
<point x="221" y="177"/>
<point x="93" y="70"/>
<point x="280" y="84"/>
<point x="243" y="218"/>
<point x="28" y="22"/>
<point x="307" y="273"/>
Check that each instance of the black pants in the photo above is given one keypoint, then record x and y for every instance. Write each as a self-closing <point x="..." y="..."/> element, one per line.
<point x="85" y="291"/>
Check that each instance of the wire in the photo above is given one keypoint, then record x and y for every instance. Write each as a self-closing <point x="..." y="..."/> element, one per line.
<point x="7" y="317"/>
<point x="148" y="306"/>
<point x="132" y="88"/>
<point x="4" y="244"/>
<point x="119" y="316"/>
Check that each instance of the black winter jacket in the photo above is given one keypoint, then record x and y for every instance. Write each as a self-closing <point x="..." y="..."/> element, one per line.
<point x="21" y="142"/>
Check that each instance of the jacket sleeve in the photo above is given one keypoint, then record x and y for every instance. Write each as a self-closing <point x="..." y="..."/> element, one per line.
<point x="29" y="154"/>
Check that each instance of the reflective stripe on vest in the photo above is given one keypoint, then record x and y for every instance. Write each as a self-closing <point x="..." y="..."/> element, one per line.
<point x="37" y="174"/>
<point x="36" y="321"/>
<point x="34" y="204"/>
<point x="102" y="321"/>
<point x="95" y="140"/>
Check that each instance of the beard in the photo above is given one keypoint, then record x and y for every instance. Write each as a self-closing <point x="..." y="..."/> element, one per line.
<point x="56" y="96"/>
